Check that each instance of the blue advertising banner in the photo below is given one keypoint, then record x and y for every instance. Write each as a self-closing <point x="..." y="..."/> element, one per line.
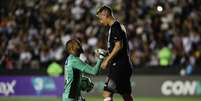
<point x="31" y="86"/>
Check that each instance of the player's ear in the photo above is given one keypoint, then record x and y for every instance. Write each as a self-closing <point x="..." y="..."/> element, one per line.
<point x="80" y="50"/>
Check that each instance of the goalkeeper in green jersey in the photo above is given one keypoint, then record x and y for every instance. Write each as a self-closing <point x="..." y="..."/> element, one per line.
<point x="74" y="67"/>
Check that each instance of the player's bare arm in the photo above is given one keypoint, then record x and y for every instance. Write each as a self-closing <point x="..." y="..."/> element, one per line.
<point x="118" y="46"/>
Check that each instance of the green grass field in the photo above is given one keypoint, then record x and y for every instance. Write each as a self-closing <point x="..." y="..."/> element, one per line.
<point x="95" y="99"/>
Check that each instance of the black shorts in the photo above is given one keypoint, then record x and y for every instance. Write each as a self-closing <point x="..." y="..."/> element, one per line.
<point x="121" y="86"/>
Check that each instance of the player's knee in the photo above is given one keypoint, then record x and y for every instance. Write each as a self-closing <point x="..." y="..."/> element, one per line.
<point x="107" y="99"/>
<point x="107" y="94"/>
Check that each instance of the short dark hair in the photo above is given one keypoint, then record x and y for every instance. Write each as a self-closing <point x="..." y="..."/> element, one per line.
<point x="104" y="8"/>
<point x="71" y="44"/>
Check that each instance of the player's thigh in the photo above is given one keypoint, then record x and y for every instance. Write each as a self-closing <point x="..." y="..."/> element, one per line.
<point x="123" y="86"/>
<point x="109" y="88"/>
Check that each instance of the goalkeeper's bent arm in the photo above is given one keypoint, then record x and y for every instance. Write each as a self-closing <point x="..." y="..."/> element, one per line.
<point x="86" y="68"/>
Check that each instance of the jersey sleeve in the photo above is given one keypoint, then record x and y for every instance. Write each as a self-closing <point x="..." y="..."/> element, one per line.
<point x="86" y="68"/>
<point x="116" y="31"/>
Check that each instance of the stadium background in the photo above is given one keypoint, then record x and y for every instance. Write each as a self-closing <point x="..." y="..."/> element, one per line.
<point x="164" y="40"/>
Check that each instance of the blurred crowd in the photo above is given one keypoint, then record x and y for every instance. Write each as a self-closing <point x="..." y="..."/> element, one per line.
<point x="33" y="33"/>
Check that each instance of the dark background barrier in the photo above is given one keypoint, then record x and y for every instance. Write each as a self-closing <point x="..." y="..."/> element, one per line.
<point x="142" y="86"/>
<point x="158" y="86"/>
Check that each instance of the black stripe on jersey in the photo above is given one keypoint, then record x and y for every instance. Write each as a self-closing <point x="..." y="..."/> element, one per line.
<point x="74" y="87"/>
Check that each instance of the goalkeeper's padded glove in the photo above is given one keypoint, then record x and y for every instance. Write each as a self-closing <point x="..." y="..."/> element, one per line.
<point x="102" y="53"/>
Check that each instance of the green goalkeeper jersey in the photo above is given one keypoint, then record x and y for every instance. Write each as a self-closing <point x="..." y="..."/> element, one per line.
<point x="73" y="69"/>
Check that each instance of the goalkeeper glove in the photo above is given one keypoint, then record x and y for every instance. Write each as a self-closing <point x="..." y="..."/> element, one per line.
<point x="101" y="52"/>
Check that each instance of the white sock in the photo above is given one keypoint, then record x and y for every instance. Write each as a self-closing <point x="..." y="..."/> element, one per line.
<point x="108" y="99"/>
